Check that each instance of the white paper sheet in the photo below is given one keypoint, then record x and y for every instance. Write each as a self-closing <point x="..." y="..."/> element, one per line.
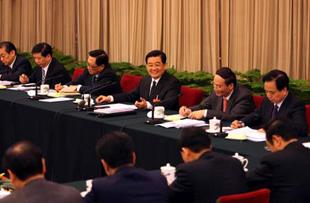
<point x="183" y="123"/>
<point x="57" y="99"/>
<point x="114" y="108"/>
<point x="249" y="133"/>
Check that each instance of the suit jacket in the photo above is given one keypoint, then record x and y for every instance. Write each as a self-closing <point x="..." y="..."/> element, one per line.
<point x="130" y="185"/>
<point x="207" y="178"/>
<point x="292" y="108"/>
<point x="168" y="91"/>
<point x="43" y="191"/>
<point x="240" y="104"/>
<point x="56" y="73"/>
<point x="20" y="66"/>
<point x="286" y="173"/>
<point x="105" y="83"/>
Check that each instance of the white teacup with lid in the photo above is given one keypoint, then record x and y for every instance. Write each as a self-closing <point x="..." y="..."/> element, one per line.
<point x="214" y="125"/>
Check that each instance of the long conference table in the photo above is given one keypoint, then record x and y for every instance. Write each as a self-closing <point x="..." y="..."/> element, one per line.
<point x="68" y="137"/>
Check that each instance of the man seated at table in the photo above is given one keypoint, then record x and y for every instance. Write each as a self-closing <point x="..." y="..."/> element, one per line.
<point x="158" y="86"/>
<point x="48" y="69"/>
<point x="98" y="78"/>
<point x="279" y="102"/>
<point x="228" y="101"/>
<point x="286" y="170"/>
<point x="205" y="175"/>
<point x="26" y="168"/>
<point x="124" y="182"/>
<point x="13" y="65"/>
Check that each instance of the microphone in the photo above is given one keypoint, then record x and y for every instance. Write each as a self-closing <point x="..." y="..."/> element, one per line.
<point x="153" y="120"/>
<point x="38" y="97"/>
<point x="98" y="87"/>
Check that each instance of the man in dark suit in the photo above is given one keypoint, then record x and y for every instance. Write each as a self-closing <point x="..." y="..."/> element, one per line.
<point x="49" y="70"/>
<point x="285" y="171"/>
<point x="13" y="65"/>
<point x="26" y="168"/>
<point x="124" y="182"/>
<point x="205" y="175"/>
<point x="159" y="87"/>
<point x="98" y="78"/>
<point x="279" y="102"/>
<point x="228" y="101"/>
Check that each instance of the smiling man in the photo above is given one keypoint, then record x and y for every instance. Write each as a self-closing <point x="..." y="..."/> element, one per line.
<point x="98" y="78"/>
<point x="158" y="86"/>
<point x="228" y="101"/>
<point x="278" y="103"/>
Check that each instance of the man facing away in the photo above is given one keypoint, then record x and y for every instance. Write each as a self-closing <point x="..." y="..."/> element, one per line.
<point x="158" y="86"/>
<point x="124" y="182"/>
<point x="205" y="175"/>
<point x="286" y="170"/>
<point x="279" y="102"/>
<point x="98" y="78"/>
<point x="228" y="101"/>
<point x="26" y="168"/>
<point x="13" y="65"/>
<point x="48" y="70"/>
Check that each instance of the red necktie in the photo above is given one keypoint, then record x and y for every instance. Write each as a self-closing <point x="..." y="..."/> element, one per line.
<point x="225" y="104"/>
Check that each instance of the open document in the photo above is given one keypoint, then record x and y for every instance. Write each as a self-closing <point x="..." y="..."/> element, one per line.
<point x="246" y="133"/>
<point x="114" y="108"/>
<point x="183" y="123"/>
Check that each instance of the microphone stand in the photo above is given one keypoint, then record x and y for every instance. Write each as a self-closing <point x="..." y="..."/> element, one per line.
<point x="36" y="96"/>
<point x="221" y="133"/>
<point x="153" y="120"/>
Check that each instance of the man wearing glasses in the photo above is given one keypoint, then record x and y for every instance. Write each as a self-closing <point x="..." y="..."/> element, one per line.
<point x="279" y="102"/>
<point x="98" y="78"/>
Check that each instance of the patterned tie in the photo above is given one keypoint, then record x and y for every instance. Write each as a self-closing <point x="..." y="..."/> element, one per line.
<point x="43" y="76"/>
<point x="225" y="104"/>
<point x="153" y="91"/>
<point x="274" y="112"/>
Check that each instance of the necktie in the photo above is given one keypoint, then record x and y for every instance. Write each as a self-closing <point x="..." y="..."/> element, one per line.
<point x="94" y="79"/>
<point x="153" y="91"/>
<point x="225" y="104"/>
<point x="43" y="77"/>
<point x="274" y="112"/>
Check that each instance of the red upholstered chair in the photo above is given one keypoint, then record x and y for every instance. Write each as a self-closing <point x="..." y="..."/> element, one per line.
<point x="308" y="116"/>
<point x="190" y="96"/>
<point x="257" y="196"/>
<point x="77" y="72"/>
<point x="258" y="100"/>
<point x="130" y="82"/>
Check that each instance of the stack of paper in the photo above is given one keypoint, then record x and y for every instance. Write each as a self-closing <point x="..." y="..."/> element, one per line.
<point x="248" y="133"/>
<point x="114" y="108"/>
<point x="57" y="99"/>
<point x="7" y="83"/>
<point x="174" y="117"/>
<point x="183" y="123"/>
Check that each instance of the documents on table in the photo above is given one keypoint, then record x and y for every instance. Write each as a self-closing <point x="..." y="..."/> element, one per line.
<point x="174" y="117"/>
<point x="246" y="133"/>
<point x="7" y="83"/>
<point x="114" y="108"/>
<point x="57" y="99"/>
<point x="183" y="123"/>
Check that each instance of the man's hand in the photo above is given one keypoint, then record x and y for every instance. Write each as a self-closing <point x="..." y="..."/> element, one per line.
<point x="58" y="87"/>
<point x="23" y="79"/>
<point x="237" y="124"/>
<point x="102" y="99"/>
<point x="141" y="104"/>
<point x="184" y="111"/>
<point x="197" y="114"/>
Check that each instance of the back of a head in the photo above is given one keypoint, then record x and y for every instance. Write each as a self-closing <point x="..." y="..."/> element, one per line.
<point x="156" y="53"/>
<point x="24" y="159"/>
<point x="9" y="46"/>
<point x="116" y="148"/>
<point x="228" y="75"/>
<point x="101" y="56"/>
<point x="280" y="127"/>
<point x="280" y="77"/>
<point x="195" y="139"/>
<point x="43" y="48"/>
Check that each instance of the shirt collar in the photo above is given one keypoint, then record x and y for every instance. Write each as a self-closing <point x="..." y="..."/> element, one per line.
<point x="12" y="64"/>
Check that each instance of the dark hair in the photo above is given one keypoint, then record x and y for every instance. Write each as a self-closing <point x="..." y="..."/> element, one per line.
<point x="155" y="53"/>
<point x="24" y="159"/>
<point x="281" y="127"/>
<point x="195" y="139"/>
<point x="9" y="46"/>
<point x="228" y="75"/>
<point x="279" y="76"/>
<point x="43" y="48"/>
<point x="116" y="148"/>
<point x="101" y="57"/>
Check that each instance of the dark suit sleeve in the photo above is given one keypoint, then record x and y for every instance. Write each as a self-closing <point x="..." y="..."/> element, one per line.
<point x="129" y="97"/>
<point x="205" y="104"/>
<point x="181" y="189"/>
<point x="170" y="99"/>
<point x="261" y="177"/>
<point x="298" y="118"/>
<point x="21" y="66"/>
